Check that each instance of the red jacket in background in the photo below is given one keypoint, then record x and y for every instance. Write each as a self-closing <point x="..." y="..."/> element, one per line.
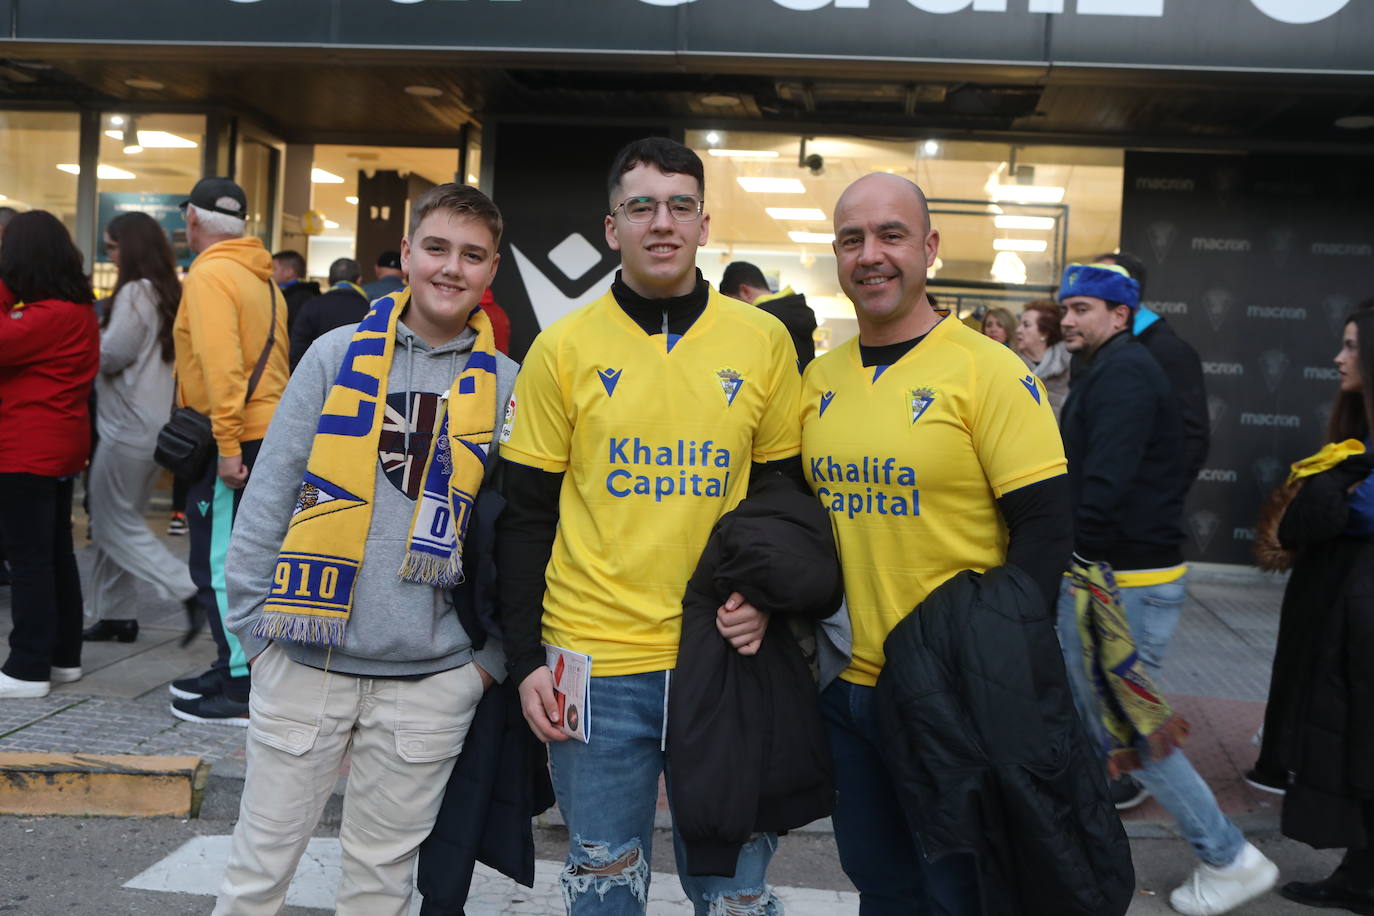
<point x="49" y="354"/>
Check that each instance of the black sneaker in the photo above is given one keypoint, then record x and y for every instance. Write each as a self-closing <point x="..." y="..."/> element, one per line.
<point x="212" y="710"/>
<point x="209" y="684"/>
<point x="1127" y="792"/>
<point x="1266" y="782"/>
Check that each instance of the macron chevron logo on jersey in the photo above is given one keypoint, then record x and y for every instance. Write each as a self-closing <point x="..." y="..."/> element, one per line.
<point x="921" y="399"/>
<point x="1029" y="382"/>
<point x="825" y="402"/>
<point x="730" y="383"/>
<point x="609" y="379"/>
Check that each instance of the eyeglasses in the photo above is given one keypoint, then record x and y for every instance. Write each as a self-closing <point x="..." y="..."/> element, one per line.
<point x="684" y="208"/>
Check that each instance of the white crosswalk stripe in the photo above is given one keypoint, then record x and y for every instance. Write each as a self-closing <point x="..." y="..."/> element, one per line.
<point x="196" y="866"/>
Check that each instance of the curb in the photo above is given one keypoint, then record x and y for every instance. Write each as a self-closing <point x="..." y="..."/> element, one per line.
<point x="105" y="785"/>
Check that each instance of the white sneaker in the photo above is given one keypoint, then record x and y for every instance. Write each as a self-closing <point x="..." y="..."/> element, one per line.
<point x="1211" y="890"/>
<point x="12" y="688"/>
<point x="65" y="675"/>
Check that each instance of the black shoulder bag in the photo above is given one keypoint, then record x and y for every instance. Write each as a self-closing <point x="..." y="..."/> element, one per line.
<point x="186" y="442"/>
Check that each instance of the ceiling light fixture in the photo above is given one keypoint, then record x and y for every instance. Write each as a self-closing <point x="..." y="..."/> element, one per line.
<point x="107" y="172"/>
<point x="351" y="200"/>
<point x="472" y="179"/>
<point x="424" y="92"/>
<point x="1027" y="193"/>
<point x="772" y="185"/>
<point x="712" y="139"/>
<point x="320" y="176"/>
<point x="1032" y="245"/>
<point x="719" y="99"/>
<point x="745" y="153"/>
<point x="812" y="238"/>
<point x="931" y="147"/>
<point x="116" y="120"/>
<point x="330" y="224"/>
<point x="131" y="145"/>
<point x="1356" y="122"/>
<point x="141" y="83"/>
<point x="810" y="214"/>
<point x="1008" y="268"/>
<point x="1040" y="223"/>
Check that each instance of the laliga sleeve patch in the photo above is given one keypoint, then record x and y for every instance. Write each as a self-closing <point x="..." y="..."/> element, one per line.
<point x="509" y="423"/>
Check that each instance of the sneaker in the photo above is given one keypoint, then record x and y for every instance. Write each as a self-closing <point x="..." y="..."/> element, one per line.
<point x="12" y="688"/>
<point x="111" y="630"/>
<point x="1211" y="890"/>
<point x="177" y="525"/>
<point x="1266" y="782"/>
<point x="1127" y="792"/>
<point x="209" y="684"/>
<point x="65" y="675"/>
<point x="212" y="710"/>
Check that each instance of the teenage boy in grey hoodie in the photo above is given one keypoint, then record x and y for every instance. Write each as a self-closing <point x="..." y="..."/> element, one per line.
<point x="397" y="687"/>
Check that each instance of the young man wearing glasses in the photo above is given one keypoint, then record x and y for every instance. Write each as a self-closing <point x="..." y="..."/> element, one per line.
<point x="632" y="429"/>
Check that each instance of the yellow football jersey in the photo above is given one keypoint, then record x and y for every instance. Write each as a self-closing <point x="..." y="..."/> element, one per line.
<point x="655" y="435"/>
<point x="910" y="460"/>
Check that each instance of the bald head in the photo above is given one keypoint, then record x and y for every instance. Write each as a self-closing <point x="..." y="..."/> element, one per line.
<point x="895" y="187"/>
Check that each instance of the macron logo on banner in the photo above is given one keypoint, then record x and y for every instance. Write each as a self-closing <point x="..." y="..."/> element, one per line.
<point x="609" y="379"/>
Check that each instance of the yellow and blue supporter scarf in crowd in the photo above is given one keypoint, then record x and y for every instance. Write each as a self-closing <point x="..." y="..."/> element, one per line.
<point x="1331" y="454"/>
<point x="312" y="589"/>
<point x="1131" y="707"/>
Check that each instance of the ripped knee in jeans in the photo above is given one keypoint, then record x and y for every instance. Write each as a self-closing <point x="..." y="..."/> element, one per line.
<point x="751" y="902"/>
<point x="595" y="866"/>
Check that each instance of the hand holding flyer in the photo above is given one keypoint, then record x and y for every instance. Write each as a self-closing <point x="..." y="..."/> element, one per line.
<point x="571" y="690"/>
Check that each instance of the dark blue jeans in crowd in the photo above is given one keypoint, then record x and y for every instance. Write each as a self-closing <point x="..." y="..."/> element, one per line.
<point x="878" y="846"/>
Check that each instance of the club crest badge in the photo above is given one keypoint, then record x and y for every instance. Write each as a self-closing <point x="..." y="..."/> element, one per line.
<point x="921" y="399"/>
<point x="730" y="383"/>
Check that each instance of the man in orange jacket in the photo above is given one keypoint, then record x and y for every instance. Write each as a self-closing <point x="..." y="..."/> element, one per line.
<point x="231" y="319"/>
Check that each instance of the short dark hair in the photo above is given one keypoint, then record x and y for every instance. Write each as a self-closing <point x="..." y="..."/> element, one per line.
<point x="459" y="200"/>
<point x="668" y="156"/>
<point x="1133" y="265"/>
<point x="39" y="261"/>
<point x="741" y="273"/>
<point x="7" y="214"/>
<point x="293" y="260"/>
<point x="344" y="269"/>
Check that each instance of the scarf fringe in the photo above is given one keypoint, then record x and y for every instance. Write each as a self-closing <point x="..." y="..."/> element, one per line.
<point x="427" y="569"/>
<point x="322" y="631"/>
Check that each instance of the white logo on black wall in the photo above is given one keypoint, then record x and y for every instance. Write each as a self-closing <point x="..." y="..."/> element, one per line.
<point x="1150" y="183"/>
<point x="1217" y="304"/>
<point x="1342" y="249"/>
<point x="1204" y="526"/>
<point x="1280" y="312"/>
<point x="1166" y="308"/>
<point x="1281" y="241"/>
<point x="1215" y="367"/>
<point x="1272" y="420"/>
<point x="1218" y="243"/>
<point x="1161" y="235"/>
<point x="1226" y="181"/>
<point x="1266" y="471"/>
<point x="1273" y="365"/>
<point x="1320" y="374"/>
<point x="1217" y="475"/>
<point x="1336" y="307"/>
<point x="1216" y="411"/>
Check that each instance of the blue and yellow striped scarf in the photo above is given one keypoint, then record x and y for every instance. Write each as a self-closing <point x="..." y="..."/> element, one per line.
<point x="312" y="589"/>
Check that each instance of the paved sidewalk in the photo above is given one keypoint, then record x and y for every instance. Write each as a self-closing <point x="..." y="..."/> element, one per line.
<point x="1217" y="674"/>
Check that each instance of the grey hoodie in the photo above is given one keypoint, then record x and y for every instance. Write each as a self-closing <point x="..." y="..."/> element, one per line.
<point x="395" y="628"/>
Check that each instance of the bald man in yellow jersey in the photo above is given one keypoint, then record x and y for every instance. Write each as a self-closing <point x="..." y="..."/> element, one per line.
<point x="935" y="452"/>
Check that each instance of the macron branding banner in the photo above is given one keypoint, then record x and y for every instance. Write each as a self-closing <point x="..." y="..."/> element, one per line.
<point x="1299" y="35"/>
<point x="1255" y="261"/>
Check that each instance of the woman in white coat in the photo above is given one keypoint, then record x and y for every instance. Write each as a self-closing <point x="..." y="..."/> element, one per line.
<point x="133" y="400"/>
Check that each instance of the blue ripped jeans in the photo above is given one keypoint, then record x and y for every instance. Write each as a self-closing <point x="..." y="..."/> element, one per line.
<point x="1152" y="612"/>
<point x="607" y="791"/>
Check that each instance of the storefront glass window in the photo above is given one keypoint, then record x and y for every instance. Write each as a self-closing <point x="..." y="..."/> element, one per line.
<point x="148" y="162"/>
<point x="1009" y="217"/>
<point x="38" y="162"/>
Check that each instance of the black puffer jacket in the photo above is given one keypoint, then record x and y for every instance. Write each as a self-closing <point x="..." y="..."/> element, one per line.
<point x="989" y="756"/>
<point x="1328" y="616"/>
<point x="747" y="750"/>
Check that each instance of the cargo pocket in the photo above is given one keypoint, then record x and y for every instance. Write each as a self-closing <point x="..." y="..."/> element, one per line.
<point x="294" y="738"/>
<point x="448" y="701"/>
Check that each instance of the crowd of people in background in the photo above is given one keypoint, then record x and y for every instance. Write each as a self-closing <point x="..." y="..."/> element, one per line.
<point x="1055" y="467"/>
